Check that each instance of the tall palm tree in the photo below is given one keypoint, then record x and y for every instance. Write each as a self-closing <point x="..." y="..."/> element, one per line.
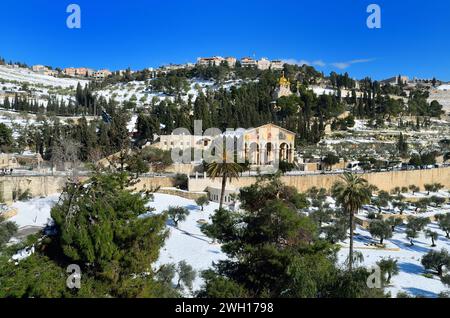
<point x="351" y="193"/>
<point x="225" y="170"/>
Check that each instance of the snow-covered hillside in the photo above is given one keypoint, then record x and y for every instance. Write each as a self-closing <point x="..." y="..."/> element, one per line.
<point x="23" y="75"/>
<point x="442" y="95"/>
<point x="16" y="121"/>
<point x="37" y="87"/>
<point x="141" y="93"/>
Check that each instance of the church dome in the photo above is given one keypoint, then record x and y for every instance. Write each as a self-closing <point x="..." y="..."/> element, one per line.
<point x="284" y="81"/>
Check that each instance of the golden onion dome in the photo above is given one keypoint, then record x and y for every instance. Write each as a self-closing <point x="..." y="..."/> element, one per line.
<point x="284" y="81"/>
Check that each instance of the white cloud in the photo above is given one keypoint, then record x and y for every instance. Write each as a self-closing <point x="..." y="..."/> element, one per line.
<point x="344" y="65"/>
<point x="319" y="63"/>
<point x="305" y="62"/>
<point x="296" y="62"/>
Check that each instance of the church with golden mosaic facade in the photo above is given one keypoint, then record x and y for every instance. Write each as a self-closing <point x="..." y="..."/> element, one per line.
<point x="268" y="143"/>
<point x="260" y="146"/>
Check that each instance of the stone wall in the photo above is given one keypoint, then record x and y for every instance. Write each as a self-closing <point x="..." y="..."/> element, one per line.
<point x="152" y="183"/>
<point x="182" y="193"/>
<point x="48" y="185"/>
<point x="37" y="185"/>
<point x="383" y="180"/>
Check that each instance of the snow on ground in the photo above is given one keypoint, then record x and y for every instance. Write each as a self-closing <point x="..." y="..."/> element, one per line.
<point x="131" y="126"/>
<point x="39" y="87"/>
<point x="410" y="278"/>
<point x="422" y="194"/>
<point x="35" y="212"/>
<point x="444" y="87"/>
<point x="352" y="140"/>
<point x="25" y="75"/>
<point x="16" y="121"/>
<point x="318" y="90"/>
<point x="359" y="125"/>
<point x="188" y="243"/>
<point x="442" y="95"/>
<point x="142" y="93"/>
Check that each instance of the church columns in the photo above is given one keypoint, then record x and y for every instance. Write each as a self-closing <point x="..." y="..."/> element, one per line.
<point x="285" y="152"/>
<point x="268" y="153"/>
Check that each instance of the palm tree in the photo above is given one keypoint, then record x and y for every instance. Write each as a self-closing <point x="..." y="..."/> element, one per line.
<point x="225" y="170"/>
<point x="351" y="193"/>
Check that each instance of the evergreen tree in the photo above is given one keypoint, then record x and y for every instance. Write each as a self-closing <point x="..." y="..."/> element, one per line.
<point x="274" y="251"/>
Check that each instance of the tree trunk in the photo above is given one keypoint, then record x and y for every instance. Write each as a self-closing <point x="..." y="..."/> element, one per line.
<point x="222" y="193"/>
<point x="350" y="255"/>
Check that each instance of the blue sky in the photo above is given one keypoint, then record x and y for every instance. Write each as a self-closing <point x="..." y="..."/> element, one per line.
<point x="330" y="34"/>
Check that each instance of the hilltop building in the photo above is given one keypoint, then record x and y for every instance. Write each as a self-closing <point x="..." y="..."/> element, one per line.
<point x="396" y="80"/>
<point x="101" y="74"/>
<point x="248" y="62"/>
<point x="210" y="61"/>
<point x="39" y="68"/>
<point x="277" y="65"/>
<point x="231" y="61"/>
<point x="78" y="71"/>
<point x="264" y="64"/>
<point x="44" y="70"/>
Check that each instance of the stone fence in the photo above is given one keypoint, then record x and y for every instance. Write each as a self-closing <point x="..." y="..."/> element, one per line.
<point x="11" y="186"/>
<point x="383" y="180"/>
